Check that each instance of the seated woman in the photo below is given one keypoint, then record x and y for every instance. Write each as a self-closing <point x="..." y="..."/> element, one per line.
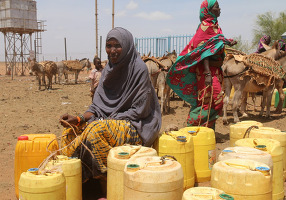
<point x="266" y="39"/>
<point x="125" y="109"/>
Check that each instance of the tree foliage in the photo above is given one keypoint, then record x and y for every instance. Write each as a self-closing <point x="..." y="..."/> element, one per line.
<point x="269" y="24"/>
<point x="243" y="46"/>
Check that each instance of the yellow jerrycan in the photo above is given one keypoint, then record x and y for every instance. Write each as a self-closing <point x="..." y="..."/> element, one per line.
<point x="205" y="193"/>
<point x="153" y="177"/>
<point x="71" y="168"/>
<point x="116" y="160"/>
<point x="181" y="146"/>
<point x="238" y="130"/>
<point x="243" y="179"/>
<point x="42" y="187"/>
<point x="30" y="152"/>
<point x="204" y="151"/>
<point x="272" y="133"/>
<point x="274" y="148"/>
<point x="246" y="153"/>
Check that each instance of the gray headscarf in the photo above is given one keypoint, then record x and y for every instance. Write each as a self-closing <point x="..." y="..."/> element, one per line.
<point x="125" y="91"/>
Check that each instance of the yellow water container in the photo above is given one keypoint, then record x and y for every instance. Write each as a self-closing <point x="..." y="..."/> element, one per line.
<point x="30" y="152"/>
<point x="272" y="133"/>
<point x="237" y="131"/>
<point x="205" y="193"/>
<point x="246" y="153"/>
<point x="204" y="151"/>
<point x="42" y="187"/>
<point x="181" y="146"/>
<point x="274" y="148"/>
<point x="243" y="179"/>
<point x="116" y="160"/>
<point x="153" y="177"/>
<point x="71" y="168"/>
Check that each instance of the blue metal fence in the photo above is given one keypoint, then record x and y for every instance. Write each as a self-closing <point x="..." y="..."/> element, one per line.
<point x="158" y="46"/>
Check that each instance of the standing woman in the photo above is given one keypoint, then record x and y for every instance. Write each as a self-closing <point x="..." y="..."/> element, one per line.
<point x="125" y="109"/>
<point x="196" y="76"/>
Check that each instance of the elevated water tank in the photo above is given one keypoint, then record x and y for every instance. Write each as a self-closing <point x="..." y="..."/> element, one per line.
<point x="18" y="15"/>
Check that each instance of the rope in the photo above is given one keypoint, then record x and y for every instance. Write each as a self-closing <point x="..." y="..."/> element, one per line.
<point x="248" y="130"/>
<point x="53" y="154"/>
<point x="210" y="104"/>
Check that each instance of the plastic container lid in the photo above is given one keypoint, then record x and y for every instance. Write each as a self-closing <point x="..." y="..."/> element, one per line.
<point x="23" y="137"/>
<point x="123" y="155"/>
<point x="133" y="167"/>
<point x="228" y="151"/>
<point x="226" y="197"/>
<point x="33" y="169"/>
<point x="182" y="138"/>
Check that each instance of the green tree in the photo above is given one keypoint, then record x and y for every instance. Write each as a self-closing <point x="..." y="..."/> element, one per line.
<point x="269" y="24"/>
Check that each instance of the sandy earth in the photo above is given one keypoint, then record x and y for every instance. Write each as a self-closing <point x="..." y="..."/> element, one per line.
<point x="25" y="110"/>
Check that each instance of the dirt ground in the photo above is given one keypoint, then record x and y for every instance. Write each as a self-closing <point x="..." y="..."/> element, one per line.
<point x="26" y="110"/>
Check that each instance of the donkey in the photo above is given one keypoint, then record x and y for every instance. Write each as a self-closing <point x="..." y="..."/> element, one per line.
<point x="72" y="67"/>
<point x="42" y="69"/>
<point x="163" y="88"/>
<point x="234" y="72"/>
<point x="154" y="68"/>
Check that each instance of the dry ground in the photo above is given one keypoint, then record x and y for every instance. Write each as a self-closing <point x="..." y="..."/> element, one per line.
<point x="25" y="110"/>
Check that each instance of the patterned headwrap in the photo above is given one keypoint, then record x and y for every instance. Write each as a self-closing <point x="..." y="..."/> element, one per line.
<point x="282" y="45"/>
<point x="266" y="39"/>
<point x="205" y="14"/>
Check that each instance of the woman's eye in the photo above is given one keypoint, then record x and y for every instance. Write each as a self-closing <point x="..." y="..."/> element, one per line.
<point x="118" y="46"/>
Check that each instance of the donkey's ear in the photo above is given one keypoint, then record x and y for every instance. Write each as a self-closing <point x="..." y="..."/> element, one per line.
<point x="266" y="47"/>
<point x="275" y="45"/>
<point x="149" y="54"/>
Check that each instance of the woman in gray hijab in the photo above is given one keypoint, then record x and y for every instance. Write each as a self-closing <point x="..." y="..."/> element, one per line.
<point x="125" y="109"/>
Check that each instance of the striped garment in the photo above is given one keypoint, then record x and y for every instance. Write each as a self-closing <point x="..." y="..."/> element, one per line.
<point x="99" y="136"/>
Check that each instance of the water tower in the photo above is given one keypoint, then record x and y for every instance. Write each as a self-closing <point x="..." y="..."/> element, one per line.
<point x="18" y="21"/>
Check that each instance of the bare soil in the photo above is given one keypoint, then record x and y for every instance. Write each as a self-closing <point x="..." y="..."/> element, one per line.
<point x="26" y="110"/>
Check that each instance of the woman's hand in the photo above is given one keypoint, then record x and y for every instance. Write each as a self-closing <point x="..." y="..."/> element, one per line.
<point x="69" y="119"/>
<point x="233" y="43"/>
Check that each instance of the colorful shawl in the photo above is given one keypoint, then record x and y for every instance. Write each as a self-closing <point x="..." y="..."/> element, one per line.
<point x="207" y="42"/>
<point x="266" y="39"/>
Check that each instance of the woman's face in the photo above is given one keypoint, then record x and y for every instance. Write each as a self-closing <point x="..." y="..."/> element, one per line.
<point x="113" y="50"/>
<point x="215" y="9"/>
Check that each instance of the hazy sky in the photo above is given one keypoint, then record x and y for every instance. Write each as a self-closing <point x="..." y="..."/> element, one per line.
<point x="75" y="21"/>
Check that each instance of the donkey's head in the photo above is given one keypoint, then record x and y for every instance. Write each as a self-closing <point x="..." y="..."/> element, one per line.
<point x="172" y="56"/>
<point x="272" y="52"/>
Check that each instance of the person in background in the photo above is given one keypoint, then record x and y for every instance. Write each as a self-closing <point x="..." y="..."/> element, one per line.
<point x="95" y="75"/>
<point x="196" y="76"/>
<point x="266" y="39"/>
<point x="282" y="45"/>
<point x="125" y="109"/>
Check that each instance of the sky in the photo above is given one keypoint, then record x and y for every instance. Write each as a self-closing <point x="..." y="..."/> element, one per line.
<point x="75" y="21"/>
